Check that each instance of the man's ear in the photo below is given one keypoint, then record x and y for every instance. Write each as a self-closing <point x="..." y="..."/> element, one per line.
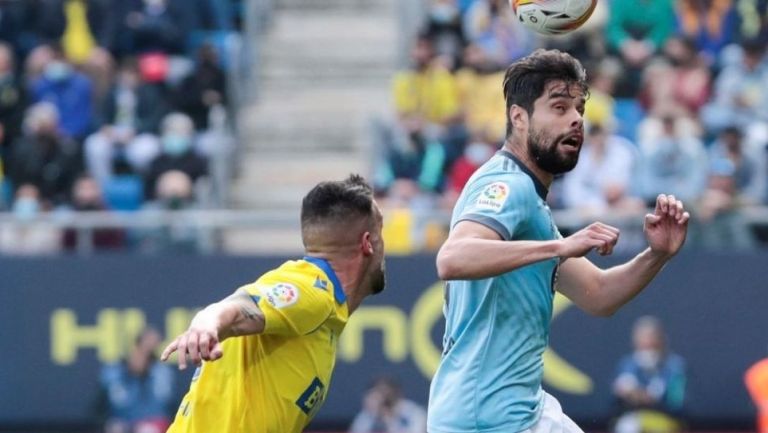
<point x="366" y="244"/>
<point x="519" y="117"/>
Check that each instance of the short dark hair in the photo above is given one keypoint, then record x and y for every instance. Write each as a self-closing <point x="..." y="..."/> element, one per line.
<point x="336" y="202"/>
<point x="526" y="78"/>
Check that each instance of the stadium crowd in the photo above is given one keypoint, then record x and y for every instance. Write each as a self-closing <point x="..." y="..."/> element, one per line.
<point x="109" y="105"/>
<point x="678" y="104"/>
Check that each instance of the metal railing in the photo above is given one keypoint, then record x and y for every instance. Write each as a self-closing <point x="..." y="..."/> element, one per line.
<point x="210" y="225"/>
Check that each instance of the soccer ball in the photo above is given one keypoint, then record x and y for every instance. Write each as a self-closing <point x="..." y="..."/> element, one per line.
<point x="553" y="17"/>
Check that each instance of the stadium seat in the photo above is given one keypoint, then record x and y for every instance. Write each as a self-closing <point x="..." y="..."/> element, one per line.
<point x="124" y="193"/>
<point x="628" y="114"/>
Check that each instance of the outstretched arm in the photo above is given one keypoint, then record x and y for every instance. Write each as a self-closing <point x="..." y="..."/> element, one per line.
<point x="235" y="315"/>
<point x="602" y="292"/>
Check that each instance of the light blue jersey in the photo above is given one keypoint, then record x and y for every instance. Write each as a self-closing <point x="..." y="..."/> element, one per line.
<point x="489" y="378"/>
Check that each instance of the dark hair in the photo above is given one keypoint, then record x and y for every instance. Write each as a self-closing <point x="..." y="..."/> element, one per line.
<point x="526" y="78"/>
<point x="336" y="202"/>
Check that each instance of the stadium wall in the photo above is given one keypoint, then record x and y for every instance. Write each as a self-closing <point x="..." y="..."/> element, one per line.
<point x="62" y="317"/>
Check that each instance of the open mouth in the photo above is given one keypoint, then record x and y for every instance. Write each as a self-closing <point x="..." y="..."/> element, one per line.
<point x="572" y="141"/>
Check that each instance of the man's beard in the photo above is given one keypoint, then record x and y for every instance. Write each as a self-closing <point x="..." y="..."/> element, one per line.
<point x="378" y="280"/>
<point x="543" y="149"/>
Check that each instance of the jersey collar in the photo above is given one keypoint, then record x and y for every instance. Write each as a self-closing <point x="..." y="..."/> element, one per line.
<point x="540" y="188"/>
<point x="338" y="291"/>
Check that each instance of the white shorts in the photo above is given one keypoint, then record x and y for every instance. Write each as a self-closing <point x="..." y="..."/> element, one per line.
<point x="553" y="420"/>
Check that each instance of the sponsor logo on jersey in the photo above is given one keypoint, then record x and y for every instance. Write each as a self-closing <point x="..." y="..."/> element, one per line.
<point x="281" y="295"/>
<point x="493" y="196"/>
<point x="312" y="397"/>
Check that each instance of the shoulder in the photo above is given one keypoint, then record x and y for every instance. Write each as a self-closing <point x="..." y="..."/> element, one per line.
<point x="501" y="175"/>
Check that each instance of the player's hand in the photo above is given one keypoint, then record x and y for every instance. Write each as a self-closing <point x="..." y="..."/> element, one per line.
<point x="200" y="342"/>
<point x="667" y="226"/>
<point x="597" y="236"/>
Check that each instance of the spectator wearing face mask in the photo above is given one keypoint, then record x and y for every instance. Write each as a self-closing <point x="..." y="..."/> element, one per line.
<point x="177" y="153"/>
<point x="174" y="193"/>
<point x="23" y="237"/>
<point x="650" y="384"/>
<point x="69" y="90"/>
<point x="479" y="150"/>
<point x="43" y="156"/>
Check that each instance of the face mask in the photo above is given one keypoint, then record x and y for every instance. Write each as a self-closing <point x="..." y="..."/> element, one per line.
<point x="478" y="153"/>
<point x="443" y="13"/>
<point x="647" y="359"/>
<point x="25" y="208"/>
<point x="175" y="145"/>
<point x="175" y="203"/>
<point x="57" y="71"/>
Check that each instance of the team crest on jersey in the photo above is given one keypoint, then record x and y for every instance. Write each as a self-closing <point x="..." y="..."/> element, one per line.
<point x="493" y="196"/>
<point x="281" y="295"/>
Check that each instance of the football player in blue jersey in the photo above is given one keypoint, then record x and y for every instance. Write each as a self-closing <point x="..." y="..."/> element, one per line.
<point x="504" y="259"/>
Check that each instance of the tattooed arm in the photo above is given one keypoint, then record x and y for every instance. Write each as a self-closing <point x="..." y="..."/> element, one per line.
<point x="235" y="315"/>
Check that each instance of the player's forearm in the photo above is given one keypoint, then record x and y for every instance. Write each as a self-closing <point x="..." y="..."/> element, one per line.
<point x="233" y="317"/>
<point x="620" y="284"/>
<point x="473" y="258"/>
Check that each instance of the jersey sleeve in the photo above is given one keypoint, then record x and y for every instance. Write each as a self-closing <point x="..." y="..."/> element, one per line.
<point x="290" y="309"/>
<point x="500" y="203"/>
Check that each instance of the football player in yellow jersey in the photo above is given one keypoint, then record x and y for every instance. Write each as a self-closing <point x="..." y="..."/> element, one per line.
<point x="274" y="341"/>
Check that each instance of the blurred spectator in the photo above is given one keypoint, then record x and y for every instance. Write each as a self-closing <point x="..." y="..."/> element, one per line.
<point x="70" y="91"/>
<point x="719" y="223"/>
<point x="749" y="171"/>
<point x="414" y="163"/>
<point x="85" y="26"/>
<point x="672" y="163"/>
<point x="650" y="384"/>
<point x="177" y="153"/>
<point x="709" y="24"/>
<point x="25" y="239"/>
<point x="87" y="196"/>
<point x="132" y="115"/>
<point x="677" y="85"/>
<point x="43" y="156"/>
<point x="491" y="25"/>
<point x="479" y="150"/>
<point x="151" y="26"/>
<point x="174" y="192"/>
<point x="386" y="411"/>
<point x="601" y="179"/>
<point x="740" y="92"/>
<point x="139" y="392"/>
<point x="444" y="30"/>
<point x="752" y="18"/>
<point x="482" y="103"/>
<point x="756" y="380"/>
<point x="204" y="89"/>
<point x="600" y="106"/>
<point x="636" y="30"/>
<point x="427" y="89"/>
<point x="11" y="100"/>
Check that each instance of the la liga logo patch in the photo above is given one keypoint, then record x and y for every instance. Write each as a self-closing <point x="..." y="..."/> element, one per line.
<point x="281" y="295"/>
<point x="493" y="196"/>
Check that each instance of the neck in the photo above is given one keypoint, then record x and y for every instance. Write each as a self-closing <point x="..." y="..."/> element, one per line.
<point x="519" y="151"/>
<point x="347" y="270"/>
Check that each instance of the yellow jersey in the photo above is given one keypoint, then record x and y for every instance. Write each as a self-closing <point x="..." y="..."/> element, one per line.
<point x="273" y="382"/>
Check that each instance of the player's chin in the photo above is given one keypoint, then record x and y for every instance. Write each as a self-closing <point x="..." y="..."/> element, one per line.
<point x="379" y="282"/>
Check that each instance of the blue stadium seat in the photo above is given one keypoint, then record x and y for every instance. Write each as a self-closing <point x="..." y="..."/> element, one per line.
<point x="124" y="193"/>
<point x="628" y="114"/>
